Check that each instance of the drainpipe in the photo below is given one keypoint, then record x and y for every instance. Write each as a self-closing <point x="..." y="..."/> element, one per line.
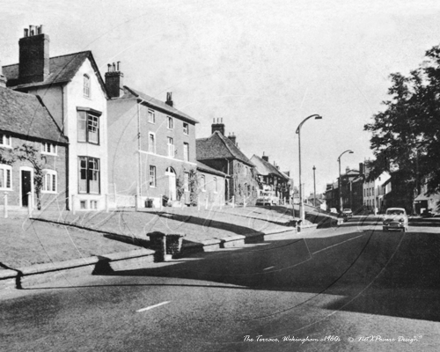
<point x="139" y="188"/>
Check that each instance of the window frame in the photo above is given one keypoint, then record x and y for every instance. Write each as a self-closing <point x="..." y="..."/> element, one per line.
<point x="171" y="148"/>
<point x="185" y="151"/>
<point x="151" y="116"/>
<point x="86" y="118"/>
<point x="170" y="123"/>
<point x="3" y="137"/>
<point x="89" y="171"/>
<point x="44" y="147"/>
<point x="6" y="169"/>
<point x="86" y="86"/>
<point x="152" y="134"/>
<point x="152" y="181"/>
<point x="185" y="128"/>
<point x="53" y="177"/>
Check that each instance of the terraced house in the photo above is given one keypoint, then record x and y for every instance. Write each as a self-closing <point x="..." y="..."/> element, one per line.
<point x="74" y="93"/>
<point x="152" y="153"/>
<point x="32" y="153"/>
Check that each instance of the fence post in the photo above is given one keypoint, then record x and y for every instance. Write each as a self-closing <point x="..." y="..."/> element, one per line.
<point x="136" y="202"/>
<point x="72" y="197"/>
<point x="6" y="204"/>
<point x="29" y="195"/>
<point x="106" y="202"/>
<point x="233" y="201"/>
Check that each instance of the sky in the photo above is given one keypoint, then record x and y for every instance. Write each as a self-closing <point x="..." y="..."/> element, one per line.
<point x="262" y="66"/>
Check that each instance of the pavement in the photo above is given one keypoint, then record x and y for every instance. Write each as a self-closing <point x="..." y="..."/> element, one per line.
<point x="204" y="230"/>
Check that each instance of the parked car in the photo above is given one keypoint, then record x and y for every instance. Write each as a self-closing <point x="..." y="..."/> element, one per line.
<point x="347" y="213"/>
<point x="267" y="197"/>
<point x="396" y="219"/>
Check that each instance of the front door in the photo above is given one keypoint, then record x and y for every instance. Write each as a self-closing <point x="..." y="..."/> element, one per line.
<point x="26" y="187"/>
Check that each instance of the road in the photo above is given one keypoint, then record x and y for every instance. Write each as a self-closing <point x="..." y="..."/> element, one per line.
<point x="350" y="288"/>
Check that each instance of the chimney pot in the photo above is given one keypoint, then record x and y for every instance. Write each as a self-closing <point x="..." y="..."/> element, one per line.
<point x="113" y="81"/>
<point x="26" y="32"/>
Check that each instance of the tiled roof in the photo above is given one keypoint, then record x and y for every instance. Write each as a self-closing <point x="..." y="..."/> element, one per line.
<point x="157" y="104"/>
<point x="205" y="168"/>
<point x="25" y="115"/>
<point x="62" y="70"/>
<point x="217" y="146"/>
<point x="265" y="168"/>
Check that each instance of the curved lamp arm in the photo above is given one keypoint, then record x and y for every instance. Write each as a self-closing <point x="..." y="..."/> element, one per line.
<point x="316" y="116"/>
<point x="347" y="151"/>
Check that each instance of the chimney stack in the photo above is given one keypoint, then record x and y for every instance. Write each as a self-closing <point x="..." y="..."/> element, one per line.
<point x="233" y="138"/>
<point x="218" y="126"/>
<point x="265" y="157"/>
<point x="361" y="168"/>
<point x="33" y="56"/>
<point x="114" y="80"/>
<point x="169" y="100"/>
<point x="3" y="79"/>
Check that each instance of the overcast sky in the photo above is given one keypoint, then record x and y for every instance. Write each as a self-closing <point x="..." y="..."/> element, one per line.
<point x="263" y="66"/>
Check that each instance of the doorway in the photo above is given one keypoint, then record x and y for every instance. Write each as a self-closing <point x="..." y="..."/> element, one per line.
<point x="171" y="174"/>
<point x="26" y="186"/>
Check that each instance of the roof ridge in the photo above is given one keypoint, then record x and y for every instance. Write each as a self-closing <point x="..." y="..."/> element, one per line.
<point x="55" y="57"/>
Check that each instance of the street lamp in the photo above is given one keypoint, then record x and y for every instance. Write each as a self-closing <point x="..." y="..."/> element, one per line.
<point x="298" y="132"/>
<point x="340" y="183"/>
<point x="314" y="187"/>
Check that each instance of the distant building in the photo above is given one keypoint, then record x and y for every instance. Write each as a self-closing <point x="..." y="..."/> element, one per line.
<point x="152" y="150"/>
<point x="271" y="178"/>
<point x="373" y="191"/>
<point x="222" y="154"/>
<point x="72" y="89"/>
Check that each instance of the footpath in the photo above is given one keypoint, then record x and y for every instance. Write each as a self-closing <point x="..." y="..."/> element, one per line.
<point x="52" y="245"/>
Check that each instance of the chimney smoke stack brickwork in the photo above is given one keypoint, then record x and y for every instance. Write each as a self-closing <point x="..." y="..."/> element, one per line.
<point x="169" y="100"/>
<point x="33" y="55"/>
<point x="233" y="138"/>
<point x="114" y="80"/>
<point x="218" y="126"/>
<point x="2" y="77"/>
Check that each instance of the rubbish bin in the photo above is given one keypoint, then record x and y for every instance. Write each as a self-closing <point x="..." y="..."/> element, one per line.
<point x="148" y="203"/>
<point x="298" y="226"/>
<point x="166" y="246"/>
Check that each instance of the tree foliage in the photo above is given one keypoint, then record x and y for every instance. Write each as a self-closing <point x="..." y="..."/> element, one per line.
<point x="406" y="135"/>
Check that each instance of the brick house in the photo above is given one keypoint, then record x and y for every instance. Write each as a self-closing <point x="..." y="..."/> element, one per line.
<point x="271" y="178"/>
<point x="222" y="154"/>
<point x="152" y="150"/>
<point x="24" y="120"/>
<point x="211" y="185"/>
<point x="72" y="89"/>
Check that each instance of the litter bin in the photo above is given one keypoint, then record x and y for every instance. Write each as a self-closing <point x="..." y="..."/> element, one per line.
<point x="166" y="246"/>
<point x="148" y="203"/>
<point x="298" y="226"/>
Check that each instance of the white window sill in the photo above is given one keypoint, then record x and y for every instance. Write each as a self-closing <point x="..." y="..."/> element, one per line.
<point x="49" y="192"/>
<point x="5" y="146"/>
<point x="53" y="154"/>
<point x="6" y="189"/>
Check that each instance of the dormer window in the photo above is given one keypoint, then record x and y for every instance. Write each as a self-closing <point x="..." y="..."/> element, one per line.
<point x="48" y="148"/>
<point x="5" y="140"/>
<point x="86" y="86"/>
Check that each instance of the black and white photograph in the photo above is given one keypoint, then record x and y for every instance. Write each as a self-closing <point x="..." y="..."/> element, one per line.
<point x="219" y="176"/>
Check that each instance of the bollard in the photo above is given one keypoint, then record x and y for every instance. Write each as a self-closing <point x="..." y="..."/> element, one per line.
<point x="206" y="203"/>
<point x="6" y="204"/>
<point x="233" y="201"/>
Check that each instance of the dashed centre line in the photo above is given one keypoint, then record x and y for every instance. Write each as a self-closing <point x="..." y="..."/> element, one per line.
<point x="151" y="307"/>
<point x="337" y="244"/>
<point x="268" y="268"/>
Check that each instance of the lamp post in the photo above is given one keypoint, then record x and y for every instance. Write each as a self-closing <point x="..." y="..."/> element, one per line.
<point x="340" y="183"/>
<point x="314" y="187"/>
<point x="298" y="132"/>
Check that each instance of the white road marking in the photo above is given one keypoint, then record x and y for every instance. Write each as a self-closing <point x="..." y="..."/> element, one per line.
<point x="337" y="244"/>
<point x="269" y="267"/>
<point x="151" y="307"/>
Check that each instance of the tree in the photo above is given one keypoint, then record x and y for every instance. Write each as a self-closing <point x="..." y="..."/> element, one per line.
<point x="30" y="153"/>
<point x="406" y="135"/>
